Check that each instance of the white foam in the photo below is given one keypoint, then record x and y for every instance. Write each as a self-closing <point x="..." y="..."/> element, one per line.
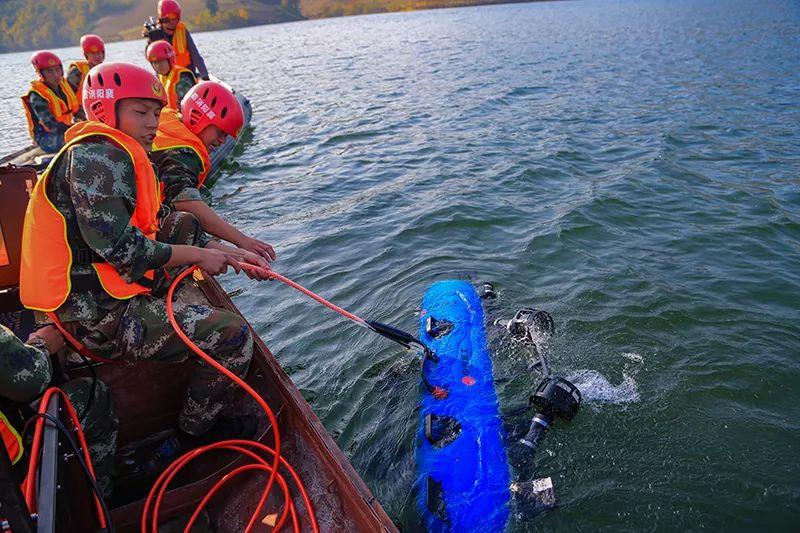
<point x="596" y="389"/>
<point x="632" y="356"/>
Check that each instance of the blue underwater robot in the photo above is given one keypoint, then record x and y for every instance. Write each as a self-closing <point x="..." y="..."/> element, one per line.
<point x="461" y="459"/>
<point x="463" y="478"/>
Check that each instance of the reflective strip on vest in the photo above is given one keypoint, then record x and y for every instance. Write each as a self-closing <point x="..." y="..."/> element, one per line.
<point x="179" y="43"/>
<point x="46" y="265"/>
<point x="11" y="439"/>
<point x="170" y="82"/>
<point x="62" y="111"/>
<point x="173" y="133"/>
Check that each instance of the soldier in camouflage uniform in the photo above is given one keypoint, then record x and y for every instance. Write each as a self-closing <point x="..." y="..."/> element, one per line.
<point x="93" y="201"/>
<point x="177" y="80"/>
<point x="45" y="127"/>
<point x="26" y="372"/>
<point x="93" y="186"/>
<point x="180" y="148"/>
<point x="48" y="133"/>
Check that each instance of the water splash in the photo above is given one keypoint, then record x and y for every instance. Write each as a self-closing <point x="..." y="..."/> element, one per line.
<point x="597" y="389"/>
<point x="632" y="356"/>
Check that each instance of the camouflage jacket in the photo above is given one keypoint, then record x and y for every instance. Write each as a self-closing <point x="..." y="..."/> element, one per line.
<point x="185" y="82"/>
<point x="25" y="370"/>
<point x="41" y="111"/>
<point x="177" y="169"/>
<point x="93" y="186"/>
<point x="74" y="78"/>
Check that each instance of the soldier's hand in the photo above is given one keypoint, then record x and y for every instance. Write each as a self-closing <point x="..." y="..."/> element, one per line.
<point x="245" y="256"/>
<point x="258" y="247"/>
<point x="53" y="339"/>
<point x="215" y="261"/>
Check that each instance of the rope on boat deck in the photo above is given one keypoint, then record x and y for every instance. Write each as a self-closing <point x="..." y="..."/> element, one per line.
<point x="245" y="447"/>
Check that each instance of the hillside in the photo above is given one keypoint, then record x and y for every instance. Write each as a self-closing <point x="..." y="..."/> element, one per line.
<point x="341" y="8"/>
<point x="36" y="24"/>
<point x="28" y="24"/>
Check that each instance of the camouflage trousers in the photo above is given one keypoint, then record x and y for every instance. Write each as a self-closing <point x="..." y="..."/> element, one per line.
<point x="99" y="426"/>
<point x="139" y="330"/>
<point x="50" y="142"/>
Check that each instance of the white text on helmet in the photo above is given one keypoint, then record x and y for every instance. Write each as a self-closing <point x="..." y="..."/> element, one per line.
<point x="203" y="106"/>
<point x="100" y="93"/>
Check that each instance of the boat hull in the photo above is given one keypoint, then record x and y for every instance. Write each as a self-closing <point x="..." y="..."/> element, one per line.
<point x="151" y="402"/>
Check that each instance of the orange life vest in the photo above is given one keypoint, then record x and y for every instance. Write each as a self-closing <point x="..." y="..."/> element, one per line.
<point x="173" y="133"/>
<point x="11" y="439"/>
<point x="83" y="67"/>
<point x="181" y="46"/>
<point x="170" y="82"/>
<point x="47" y="259"/>
<point x="63" y="111"/>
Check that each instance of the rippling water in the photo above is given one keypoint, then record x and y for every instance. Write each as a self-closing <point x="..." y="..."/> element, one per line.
<point x="630" y="166"/>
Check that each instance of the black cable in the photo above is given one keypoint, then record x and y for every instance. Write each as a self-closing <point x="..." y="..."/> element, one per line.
<point x="429" y="355"/>
<point x="76" y="449"/>
<point x="92" y="389"/>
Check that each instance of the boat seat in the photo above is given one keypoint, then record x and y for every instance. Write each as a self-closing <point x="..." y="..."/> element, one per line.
<point x="16" y="183"/>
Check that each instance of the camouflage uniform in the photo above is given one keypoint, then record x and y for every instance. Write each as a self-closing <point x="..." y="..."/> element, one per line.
<point x="178" y="169"/>
<point x="74" y="79"/>
<point x="97" y="201"/>
<point x="50" y="141"/>
<point x="26" y="372"/>
<point x="185" y="82"/>
<point x="198" y="65"/>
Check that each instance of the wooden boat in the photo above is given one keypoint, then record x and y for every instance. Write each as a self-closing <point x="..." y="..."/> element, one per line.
<point x="149" y="404"/>
<point x="147" y="398"/>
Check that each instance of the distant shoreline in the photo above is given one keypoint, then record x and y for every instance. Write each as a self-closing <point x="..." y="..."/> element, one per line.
<point x="123" y="24"/>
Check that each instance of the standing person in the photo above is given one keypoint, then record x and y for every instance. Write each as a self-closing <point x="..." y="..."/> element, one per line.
<point x="209" y="114"/>
<point x="50" y="104"/>
<point x="94" y="52"/>
<point x="94" y="252"/>
<point x="176" y="80"/>
<point x="26" y="372"/>
<point x="171" y="29"/>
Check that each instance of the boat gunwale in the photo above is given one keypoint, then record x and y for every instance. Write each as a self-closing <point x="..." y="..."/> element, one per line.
<point x="294" y="414"/>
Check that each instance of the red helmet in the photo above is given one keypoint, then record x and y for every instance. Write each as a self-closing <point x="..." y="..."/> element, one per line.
<point x="211" y="103"/>
<point x="108" y="83"/>
<point x="92" y="43"/>
<point x="169" y="9"/>
<point x="159" y="50"/>
<point x="44" y="59"/>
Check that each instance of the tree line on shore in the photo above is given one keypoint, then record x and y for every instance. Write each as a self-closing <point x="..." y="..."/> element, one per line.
<point x="30" y="25"/>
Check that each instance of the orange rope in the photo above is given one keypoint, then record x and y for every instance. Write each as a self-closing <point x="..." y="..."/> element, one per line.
<point x="274" y="275"/>
<point x="156" y="495"/>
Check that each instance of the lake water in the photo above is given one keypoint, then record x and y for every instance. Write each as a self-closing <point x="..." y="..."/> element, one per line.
<point x="630" y="166"/>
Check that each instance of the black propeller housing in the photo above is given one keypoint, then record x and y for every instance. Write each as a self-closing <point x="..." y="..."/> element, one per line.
<point x="554" y="398"/>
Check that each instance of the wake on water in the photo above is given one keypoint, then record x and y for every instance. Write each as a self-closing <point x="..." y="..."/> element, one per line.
<point x="597" y="389"/>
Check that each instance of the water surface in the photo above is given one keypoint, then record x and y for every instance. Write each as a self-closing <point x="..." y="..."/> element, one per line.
<point x="632" y="167"/>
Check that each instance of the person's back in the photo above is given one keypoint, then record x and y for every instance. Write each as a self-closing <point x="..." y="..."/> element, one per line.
<point x="50" y="104"/>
